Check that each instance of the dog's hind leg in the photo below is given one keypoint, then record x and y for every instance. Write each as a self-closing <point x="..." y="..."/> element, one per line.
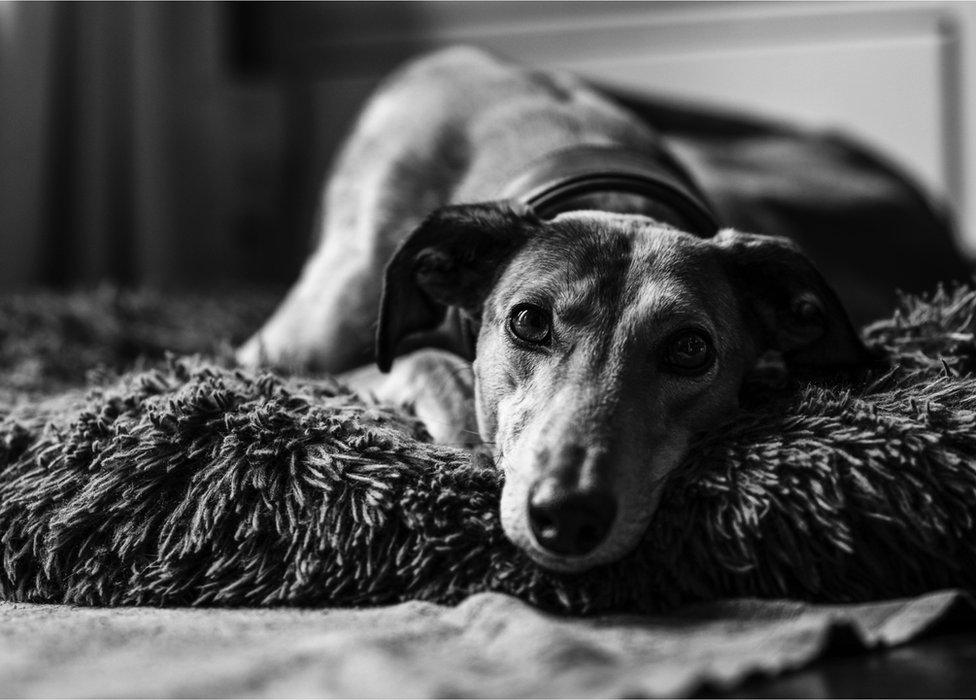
<point x="404" y="156"/>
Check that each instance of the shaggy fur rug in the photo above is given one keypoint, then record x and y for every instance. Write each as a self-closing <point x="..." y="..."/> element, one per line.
<point x="188" y="482"/>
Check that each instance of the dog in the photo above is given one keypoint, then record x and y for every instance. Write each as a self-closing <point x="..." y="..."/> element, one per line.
<point x="583" y="280"/>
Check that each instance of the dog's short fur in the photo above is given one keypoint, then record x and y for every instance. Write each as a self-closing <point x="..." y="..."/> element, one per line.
<point x="641" y="334"/>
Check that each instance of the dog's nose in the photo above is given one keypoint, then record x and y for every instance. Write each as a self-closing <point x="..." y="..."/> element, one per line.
<point x="569" y="522"/>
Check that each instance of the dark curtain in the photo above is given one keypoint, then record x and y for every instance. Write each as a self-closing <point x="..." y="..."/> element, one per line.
<point x="177" y="144"/>
<point x="113" y="155"/>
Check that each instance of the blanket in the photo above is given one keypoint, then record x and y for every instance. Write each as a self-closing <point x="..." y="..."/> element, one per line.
<point x="127" y="478"/>
<point x="195" y="483"/>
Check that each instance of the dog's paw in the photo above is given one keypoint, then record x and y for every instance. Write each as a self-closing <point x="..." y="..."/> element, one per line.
<point x="436" y="385"/>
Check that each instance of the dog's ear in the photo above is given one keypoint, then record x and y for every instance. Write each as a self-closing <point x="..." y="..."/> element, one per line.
<point x="790" y="307"/>
<point x="451" y="259"/>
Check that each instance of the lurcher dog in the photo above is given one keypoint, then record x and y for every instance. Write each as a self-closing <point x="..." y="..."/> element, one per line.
<point x="567" y="278"/>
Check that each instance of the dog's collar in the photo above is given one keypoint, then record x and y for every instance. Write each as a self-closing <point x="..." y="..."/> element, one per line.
<point x="556" y="183"/>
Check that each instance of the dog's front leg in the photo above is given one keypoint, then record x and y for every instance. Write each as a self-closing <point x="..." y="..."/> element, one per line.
<point x="438" y="385"/>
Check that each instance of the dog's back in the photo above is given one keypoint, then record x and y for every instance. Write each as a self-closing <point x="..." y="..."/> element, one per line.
<point x="867" y="225"/>
<point x="484" y="121"/>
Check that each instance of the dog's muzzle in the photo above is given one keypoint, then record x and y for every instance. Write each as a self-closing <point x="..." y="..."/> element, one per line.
<point x="567" y="522"/>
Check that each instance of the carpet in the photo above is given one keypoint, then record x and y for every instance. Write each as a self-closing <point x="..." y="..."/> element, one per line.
<point x="194" y="483"/>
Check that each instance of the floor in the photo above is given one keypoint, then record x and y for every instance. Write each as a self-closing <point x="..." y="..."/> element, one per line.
<point x="943" y="666"/>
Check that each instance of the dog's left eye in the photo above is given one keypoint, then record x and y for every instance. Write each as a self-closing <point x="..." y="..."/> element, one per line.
<point x="689" y="352"/>
<point x="530" y="324"/>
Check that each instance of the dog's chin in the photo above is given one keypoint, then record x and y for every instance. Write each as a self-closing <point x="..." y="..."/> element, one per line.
<point x="608" y="553"/>
<point x="567" y="565"/>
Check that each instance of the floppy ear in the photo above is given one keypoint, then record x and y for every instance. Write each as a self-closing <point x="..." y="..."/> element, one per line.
<point x="451" y="259"/>
<point x="791" y="308"/>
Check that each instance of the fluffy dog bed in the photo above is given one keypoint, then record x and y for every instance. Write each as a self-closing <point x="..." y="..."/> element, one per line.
<point x="192" y="483"/>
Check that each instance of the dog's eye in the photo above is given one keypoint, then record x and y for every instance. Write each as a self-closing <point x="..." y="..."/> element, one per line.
<point x="689" y="352"/>
<point x="530" y="323"/>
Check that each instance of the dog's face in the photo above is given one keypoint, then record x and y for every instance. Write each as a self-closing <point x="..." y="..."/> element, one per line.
<point x="606" y="343"/>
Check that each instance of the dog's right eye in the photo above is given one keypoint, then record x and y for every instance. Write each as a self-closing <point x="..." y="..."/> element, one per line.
<point x="530" y="323"/>
<point x="689" y="352"/>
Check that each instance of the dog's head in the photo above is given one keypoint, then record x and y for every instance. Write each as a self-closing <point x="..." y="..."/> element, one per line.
<point x="605" y="343"/>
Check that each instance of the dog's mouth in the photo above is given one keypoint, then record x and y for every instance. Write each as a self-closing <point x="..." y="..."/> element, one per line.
<point x="562" y="564"/>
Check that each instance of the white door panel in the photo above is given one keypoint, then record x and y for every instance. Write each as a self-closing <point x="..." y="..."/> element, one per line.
<point x="886" y="92"/>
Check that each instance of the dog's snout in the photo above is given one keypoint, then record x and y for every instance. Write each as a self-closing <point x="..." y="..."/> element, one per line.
<point x="569" y="522"/>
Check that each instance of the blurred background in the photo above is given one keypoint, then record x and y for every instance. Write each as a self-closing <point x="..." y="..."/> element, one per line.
<point x="181" y="145"/>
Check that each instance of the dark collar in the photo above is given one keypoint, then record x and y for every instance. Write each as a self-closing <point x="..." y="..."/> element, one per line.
<point x="557" y="182"/>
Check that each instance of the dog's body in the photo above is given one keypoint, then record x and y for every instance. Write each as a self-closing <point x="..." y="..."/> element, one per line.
<point x="604" y="334"/>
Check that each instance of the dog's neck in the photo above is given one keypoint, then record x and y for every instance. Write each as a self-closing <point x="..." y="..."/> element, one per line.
<point x="615" y="179"/>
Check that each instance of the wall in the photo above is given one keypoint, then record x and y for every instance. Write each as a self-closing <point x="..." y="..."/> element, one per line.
<point x="183" y="144"/>
<point x="893" y="73"/>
